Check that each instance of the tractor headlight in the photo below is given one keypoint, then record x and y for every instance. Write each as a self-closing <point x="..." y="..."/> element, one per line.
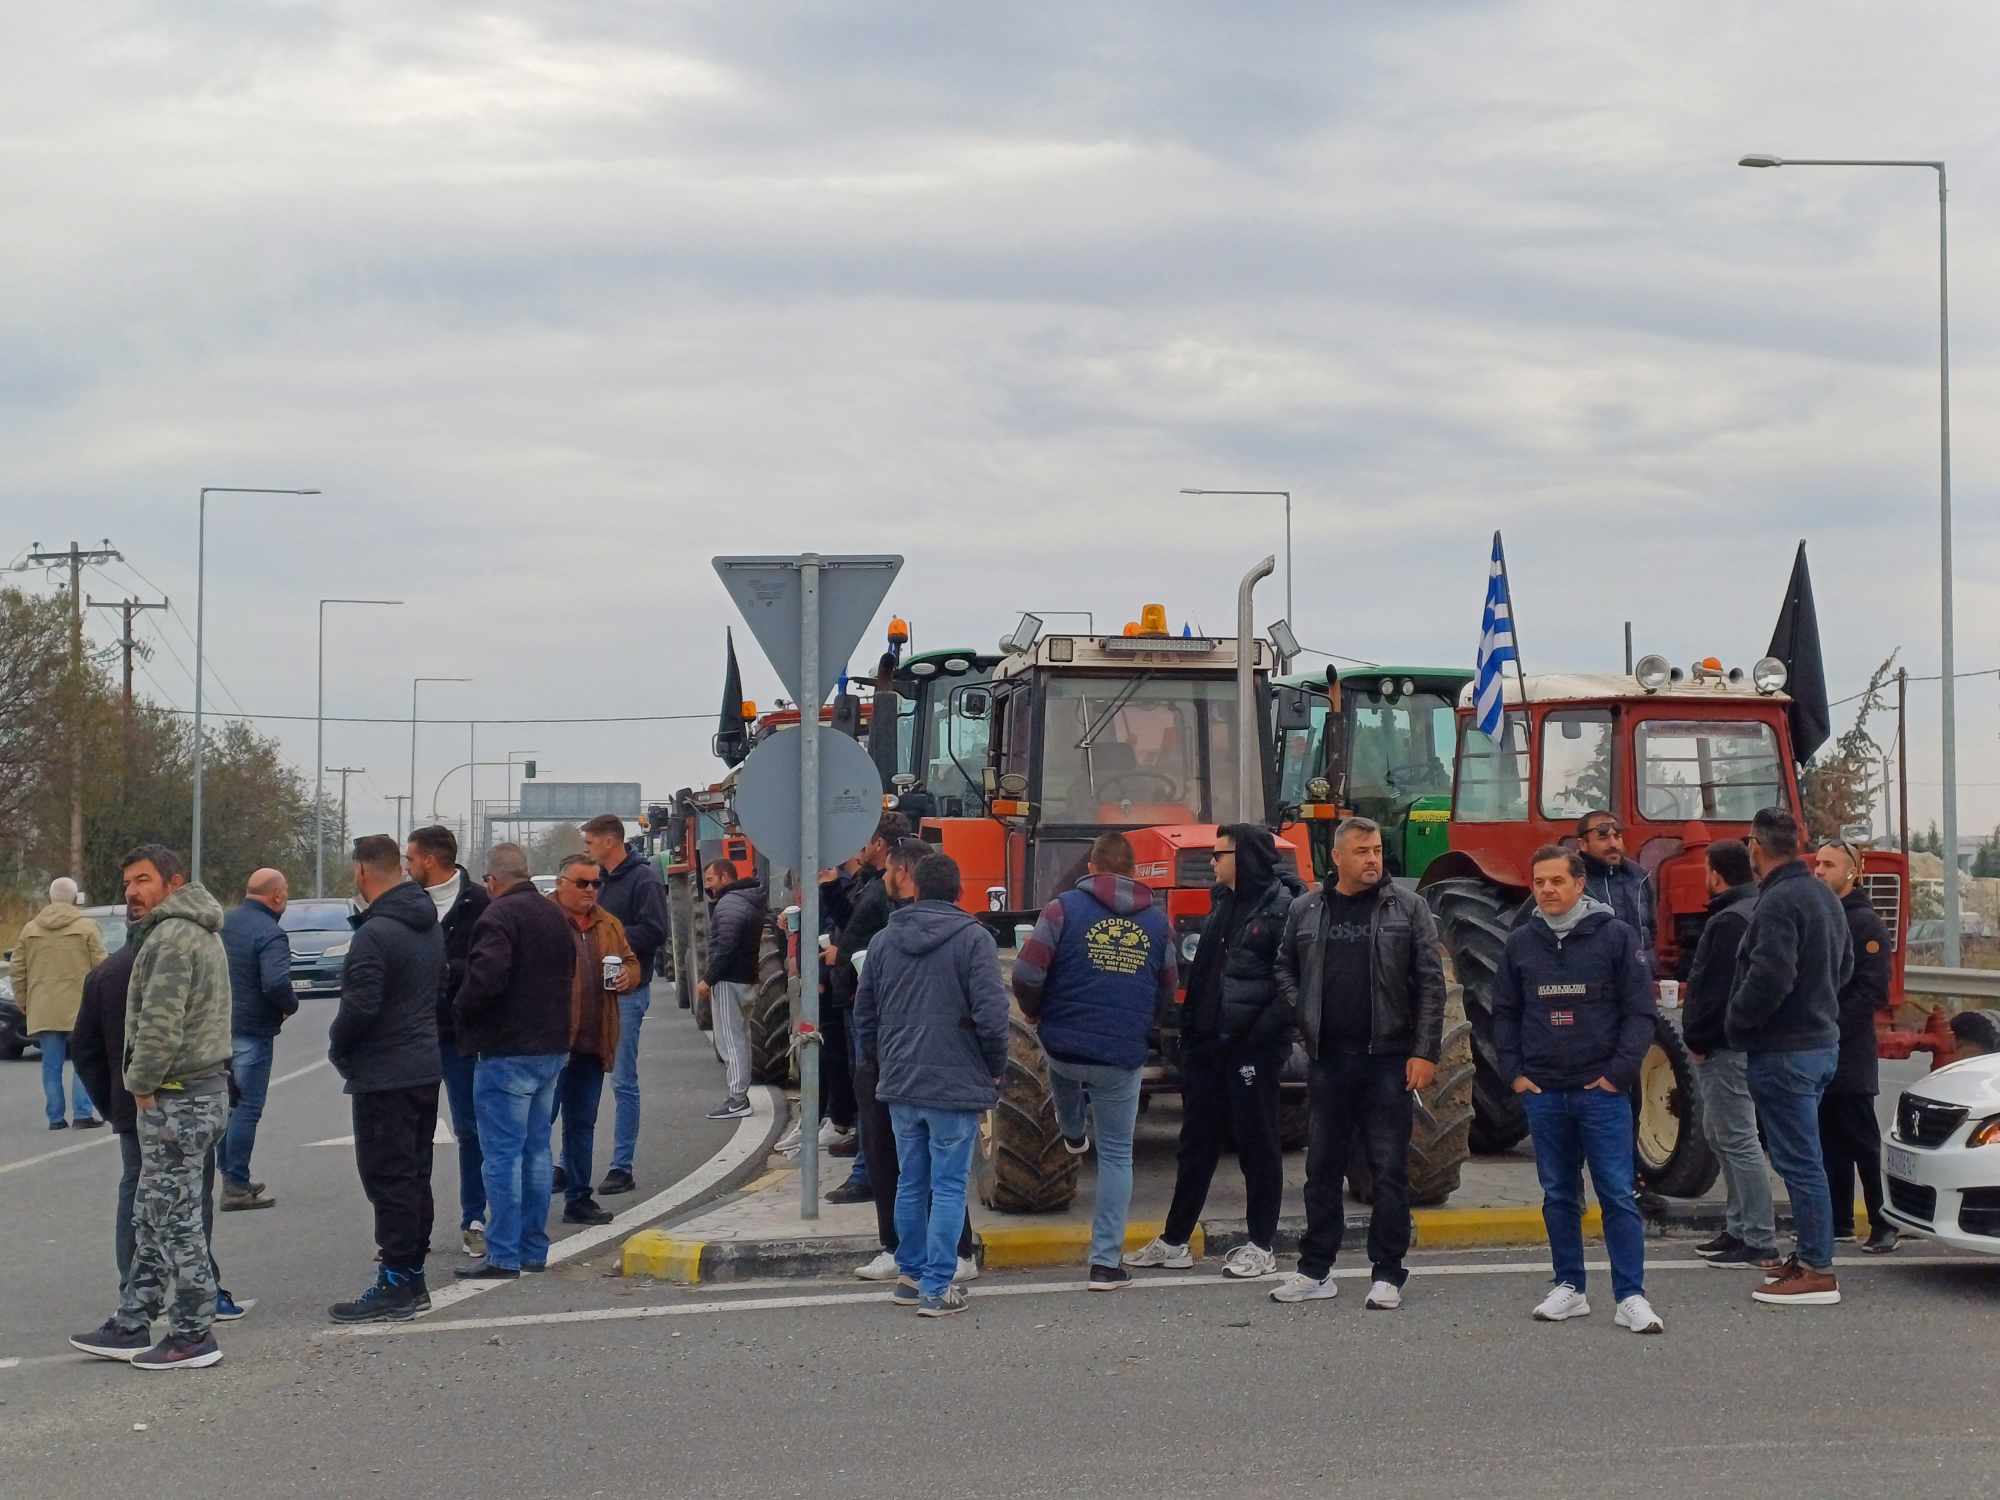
<point x="1190" y="944"/>
<point x="1652" y="673"/>
<point x="1769" y="675"/>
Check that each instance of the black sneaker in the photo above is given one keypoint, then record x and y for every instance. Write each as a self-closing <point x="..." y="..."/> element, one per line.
<point x="1724" y="1241"/>
<point x="1744" y="1257"/>
<point x="1109" y="1278"/>
<point x="1882" y="1238"/>
<point x="109" y="1341"/>
<point x="176" y="1353"/>
<point x="1845" y="1236"/>
<point x="392" y="1299"/>
<point x="485" y="1270"/>
<point x="1076" y="1145"/>
<point x="851" y="1192"/>
<point x="735" y="1107"/>
<point x="1651" y="1204"/>
<point x="616" y="1181"/>
<point x="558" y="1181"/>
<point x="58" y="1124"/>
<point x="90" y="1122"/>
<point x="585" y="1211"/>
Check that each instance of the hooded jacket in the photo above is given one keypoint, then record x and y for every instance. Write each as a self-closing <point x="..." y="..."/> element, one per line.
<point x="1405" y="971"/>
<point x="1867" y="991"/>
<point x="1232" y="989"/>
<point x="1098" y="971"/>
<point x="1571" y="1008"/>
<point x="514" y="1001"/>
<point x="1795" y="959"/>
<point x="735" y="930"/>
<point x="930" y="1015"/>
<point x="98" y="1040"/>
<point x="177" y="1006"/>
<point x="384" y="1036"/>
<point x="457" y="923"/>
<point x="635" y="895"/>
<point x="260" y="970"/>
<point x="1626" y="890"/>
<point x="58" y="947"/>
<point x="1713" y="972"/>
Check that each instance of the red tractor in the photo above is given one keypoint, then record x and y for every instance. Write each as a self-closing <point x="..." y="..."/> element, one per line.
<point x="1681" y="759"/>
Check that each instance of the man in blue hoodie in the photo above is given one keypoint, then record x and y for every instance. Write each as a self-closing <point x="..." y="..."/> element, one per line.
<point x="1096" y="973"/>
<point x="1572" y="1021"/>
<point x="932" y="1018"/>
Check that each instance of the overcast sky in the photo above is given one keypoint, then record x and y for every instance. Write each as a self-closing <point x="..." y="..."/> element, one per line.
<point x="557" y="301"/>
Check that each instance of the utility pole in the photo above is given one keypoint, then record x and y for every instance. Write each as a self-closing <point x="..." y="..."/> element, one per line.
<point x="343" y="772"/>
<point x="76" y="557"/>
<point x="399" y="798"/>
<point x="128" y="608"/>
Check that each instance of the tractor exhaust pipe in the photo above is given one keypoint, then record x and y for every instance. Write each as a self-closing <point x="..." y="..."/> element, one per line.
<point x="1249" y="764"/>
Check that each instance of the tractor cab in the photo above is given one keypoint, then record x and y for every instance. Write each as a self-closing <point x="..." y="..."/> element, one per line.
<point x="935" y="761"/>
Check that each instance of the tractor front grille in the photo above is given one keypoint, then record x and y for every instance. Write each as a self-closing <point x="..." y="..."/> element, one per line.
<point x="1919" y="1203"/>
<point x="1193" y="869"/>
<point x="1922" y="1122"/>
<point x="1979" y="1211"/>
<point x="1885" y="894"/>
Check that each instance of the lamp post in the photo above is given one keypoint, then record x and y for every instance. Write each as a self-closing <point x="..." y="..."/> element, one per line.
<point x="438" y="790"/>
<point x="200" y="602"/>
<point x="414" y="683"/>
<point x="319" y="751"/>
<point x="1287" y="494"/>
<point x="1952" y="948"/>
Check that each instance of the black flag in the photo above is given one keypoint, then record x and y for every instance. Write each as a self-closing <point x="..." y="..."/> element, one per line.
<point x="1796" y="643"/>
<point x="731" y="734"/>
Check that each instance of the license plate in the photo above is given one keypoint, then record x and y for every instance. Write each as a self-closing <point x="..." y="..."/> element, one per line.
<point x="1901" y="1163"/>
<point x="302" y="984"/>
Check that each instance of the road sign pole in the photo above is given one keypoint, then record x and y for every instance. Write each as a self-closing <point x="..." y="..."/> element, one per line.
<point x="808" y="873"/>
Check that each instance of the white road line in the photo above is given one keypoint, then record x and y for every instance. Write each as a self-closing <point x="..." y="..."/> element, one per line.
<point x="110" y="1136"/>
<point x="1020" y="1289"/>
<point x="745" y="1143"/>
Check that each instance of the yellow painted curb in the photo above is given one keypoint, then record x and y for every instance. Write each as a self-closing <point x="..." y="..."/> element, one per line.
<point x="1471" y="1228"/>
<point x="1038" y="1246"/>
<point x="654" y="1253"/>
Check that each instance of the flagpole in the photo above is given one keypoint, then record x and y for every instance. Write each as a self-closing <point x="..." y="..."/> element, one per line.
<point x="1514" y="628"/>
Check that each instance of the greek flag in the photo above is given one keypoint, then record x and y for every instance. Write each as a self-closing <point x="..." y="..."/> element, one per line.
<point x="1496" y="649"/>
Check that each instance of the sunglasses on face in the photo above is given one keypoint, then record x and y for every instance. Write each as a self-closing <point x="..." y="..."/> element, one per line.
<point x="1220" y="853"/>
<point x="584" y="885"/>
<point x="1609" y="830"/>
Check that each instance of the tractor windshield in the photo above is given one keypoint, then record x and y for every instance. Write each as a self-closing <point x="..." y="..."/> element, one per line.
<point x="955" y="744"/>
<point x="1155" y="747"/>
<point x="1708" y="768"/>
<point x="1397" y="746"/>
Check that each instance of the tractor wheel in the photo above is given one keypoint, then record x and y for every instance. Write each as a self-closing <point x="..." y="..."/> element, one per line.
<point x="770" y="1020"/>
<point x="1021" y="1165"/>
<point x="1976" y="1031"/>
<point x="1473" y="918"/>
<point x="1673" y="1156"/>
<point x="1294" y="1119"/>
<point x="1442" y="1119"/>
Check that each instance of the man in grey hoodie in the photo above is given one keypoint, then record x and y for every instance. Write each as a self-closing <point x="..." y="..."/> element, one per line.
<point x="931" y="1016"/>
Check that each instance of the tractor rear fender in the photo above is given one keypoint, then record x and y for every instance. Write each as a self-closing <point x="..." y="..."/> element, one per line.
<point x="1461" y="865"/>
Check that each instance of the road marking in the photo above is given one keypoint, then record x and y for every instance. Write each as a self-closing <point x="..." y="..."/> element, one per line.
<point x="748" y="1140"/>
<point x="110" y="1135"/>
<point x="1072" y="1285"/>
<point x="441" y="1136"/>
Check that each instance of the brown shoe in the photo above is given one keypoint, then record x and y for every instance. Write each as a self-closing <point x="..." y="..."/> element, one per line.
<point x="1799" y="1286"/>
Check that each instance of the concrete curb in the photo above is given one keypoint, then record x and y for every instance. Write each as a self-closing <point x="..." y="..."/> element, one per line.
<point x="650" y="1248"/>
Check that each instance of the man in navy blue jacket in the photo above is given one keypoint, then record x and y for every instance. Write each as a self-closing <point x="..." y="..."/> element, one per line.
<point x="1572" y="1020"/>
<point x="260" y="1000"/>
<point x="1094" y="976"/>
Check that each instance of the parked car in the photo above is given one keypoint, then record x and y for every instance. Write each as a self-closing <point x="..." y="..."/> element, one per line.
<point x="1941" y="1161"/>
<point x="14" y="1039"/>
<point x="111" y="925"/>
<point x="546" y="884"/>
<point x="319" y="933"/>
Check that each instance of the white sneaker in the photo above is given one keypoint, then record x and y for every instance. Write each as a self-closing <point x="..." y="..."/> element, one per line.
<point x="1637" y="1314"/>
<point x="827" y="1133"/>
<point x="1160" y="1253"/>
<point x="472" y="1240"/>
<point x="1563" y="1301"/>
<point x="968" y="1270"/>
<point x="1247" y="1262"/>
<point x="881" y="1268"/>
<point x="1299" y="1287"/>
<point x="1384" y="1296"/>
<point x="788" y="1144"/>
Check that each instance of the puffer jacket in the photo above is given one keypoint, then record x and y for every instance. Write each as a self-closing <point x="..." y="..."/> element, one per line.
<point x="735" y="929"/>
<point x="1232" y="989"/>
<point x="177" y="1006"/>
<point x="1405" y="971"/>
<point x="1098" y="971"/>
<point x="1570" y="1008"/>
<point x="385" y="1036"/>
<point x="930" y="1014"/>
<point x="58" y="947"/>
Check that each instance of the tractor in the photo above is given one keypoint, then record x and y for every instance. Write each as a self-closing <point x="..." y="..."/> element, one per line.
<point x="1682" y="759"/>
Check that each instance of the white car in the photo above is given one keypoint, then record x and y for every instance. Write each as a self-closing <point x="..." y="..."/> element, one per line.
<point x="1942" y="1157"/>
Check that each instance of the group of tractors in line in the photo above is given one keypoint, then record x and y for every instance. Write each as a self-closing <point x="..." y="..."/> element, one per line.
<point x="1013" y="762"/>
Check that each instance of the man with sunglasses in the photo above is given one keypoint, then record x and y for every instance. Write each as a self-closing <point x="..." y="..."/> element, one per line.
<point x="1850" y="1136"/>
<point x="1609" y="876"/>
<point x="594" y="994"/>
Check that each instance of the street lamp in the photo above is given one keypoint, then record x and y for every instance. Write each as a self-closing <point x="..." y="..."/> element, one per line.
<point x="319" y="750"/>
<point x="414" y="681"/>
<point x="514" y="820"/>
<point x="438" y="790"/>
<point x="1287" y="494"/>
<point x="200" y="602"/>
<point x="1952" y="950"/>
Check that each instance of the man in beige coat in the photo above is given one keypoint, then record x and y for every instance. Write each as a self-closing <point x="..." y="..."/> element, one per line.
<point x="58" y="947"/>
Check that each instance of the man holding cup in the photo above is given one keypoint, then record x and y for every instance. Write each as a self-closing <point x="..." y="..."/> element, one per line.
<point x="606" y="967"/>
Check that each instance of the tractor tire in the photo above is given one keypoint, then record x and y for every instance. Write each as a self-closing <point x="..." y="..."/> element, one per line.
<point x="1473" y="918"/>
<point x="1673" y="1156"/>
<point x="770" y="1020"/>
<point x="1442" y="1123"/>
<point x="1021" y="1165"/>
<point x="1976" y="1032"/>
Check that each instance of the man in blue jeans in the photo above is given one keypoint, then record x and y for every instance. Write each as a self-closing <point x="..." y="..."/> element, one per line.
<point x="513" y="1013"/>
<point x="635" y="895"/>
<point x="260" y="999"/>
<point x="1572" y="1021"/>
<point x="1784" y="1015"/>
<point x="1092" y="978"/>
<point x="431" y="855"/>
<point x="932" y="1017"/>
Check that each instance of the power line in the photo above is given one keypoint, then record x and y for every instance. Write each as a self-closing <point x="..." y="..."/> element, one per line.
<point x="1886" y="683"/>
<point x="215" y="676"/>
<point x="404" y="719"/>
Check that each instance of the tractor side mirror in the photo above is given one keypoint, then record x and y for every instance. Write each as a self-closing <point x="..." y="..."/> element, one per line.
<point x="1294" y="709"/>
<point x="972" y="702"/>
<point x="1572" y="729"/>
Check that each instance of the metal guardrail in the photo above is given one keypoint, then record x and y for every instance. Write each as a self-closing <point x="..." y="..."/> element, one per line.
<point x="1965" y="984"/>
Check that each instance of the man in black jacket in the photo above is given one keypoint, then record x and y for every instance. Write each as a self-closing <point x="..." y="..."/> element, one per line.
<point x="1784" y="1012"/>
<point x="635" y="895"/>
<point x="1850" y="1135"/>
<point x="1572" y="1021"/>
<point x="1360" y="970"/>
<point x="1610" y="876"/>
<point x="384" y="1043"/>
<point x="1235" y="1035"/>
<point x="735" y="930"/>
<point x="1728" y="1114"/>
<point x="866" y="897"/>
<point x="431" y="856"/>
<point x="513" y="1013"/>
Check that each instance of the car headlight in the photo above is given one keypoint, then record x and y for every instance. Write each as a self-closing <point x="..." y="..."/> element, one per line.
<point x="1985" y="1133"/>
<point x="1769" y="675"/>
<point x="338" y="950"/>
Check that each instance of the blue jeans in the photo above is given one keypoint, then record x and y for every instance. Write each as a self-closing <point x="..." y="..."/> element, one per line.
<point x="458" y="1071"/>
<point x="514" y="1098"/>
<point x="1570" y="1127"/>
<point x="625" y="1081"/>
<point x="250" y="1062"/>
<point x="55" y="1052"/>
<point x="578" y="1093"/>
<point x="1110" y="1096"/>
<point x="934" y="1152"/>
<point x="1787" y="1087"/>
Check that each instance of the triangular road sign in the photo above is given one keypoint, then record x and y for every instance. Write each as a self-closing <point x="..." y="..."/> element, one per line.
<point x="767" y="591"/>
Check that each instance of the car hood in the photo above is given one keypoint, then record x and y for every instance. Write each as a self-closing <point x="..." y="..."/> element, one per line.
<point x="313" y="942"/>
<point x="1973" y="1083"/>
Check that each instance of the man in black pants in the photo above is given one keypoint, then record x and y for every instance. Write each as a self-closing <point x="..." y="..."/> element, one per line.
<point x="384" y="1042"/>
<point x="1850" y="1136"/>
<point x="1360" y="969"/>
<point x="1233" y="1044"/>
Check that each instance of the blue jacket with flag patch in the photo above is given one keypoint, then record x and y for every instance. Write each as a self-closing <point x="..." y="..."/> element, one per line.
<point x="1571" y="1008"/>
<point x="1097" y="971"/>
